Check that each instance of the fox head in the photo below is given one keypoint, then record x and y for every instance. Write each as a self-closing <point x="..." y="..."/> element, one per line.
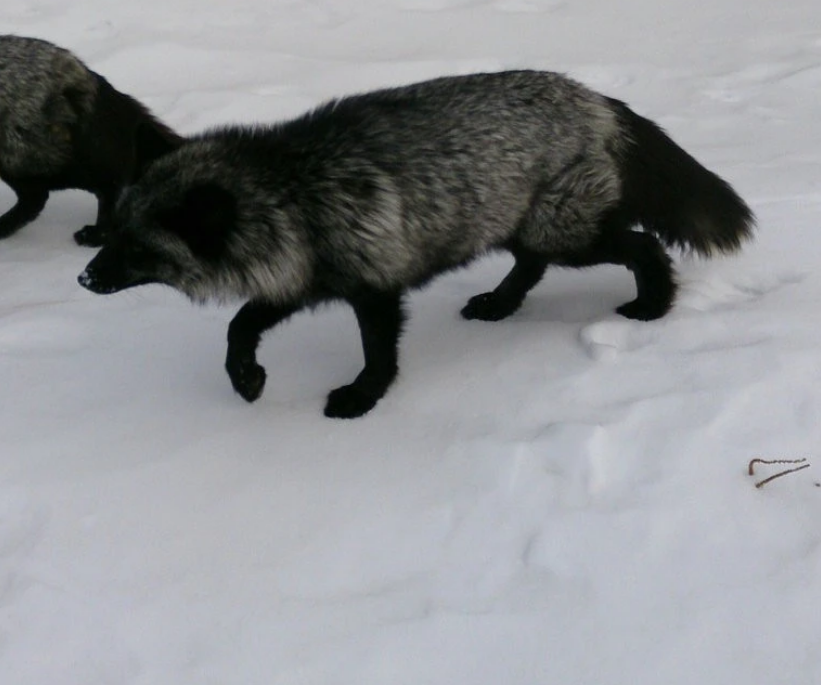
<point x="180" y="245"/>
<point x="182" y="224"/>
<point x="165" y="229"/>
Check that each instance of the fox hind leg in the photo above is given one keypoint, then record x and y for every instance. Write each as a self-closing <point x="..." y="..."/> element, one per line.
<point x="508" y="296"/>
<point x="644" y="256"/>
<point x="652" y="268"/>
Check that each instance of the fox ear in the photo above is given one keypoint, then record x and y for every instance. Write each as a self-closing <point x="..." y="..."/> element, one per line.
<point x="204" y="218"/>
<point x="151" y="143"/>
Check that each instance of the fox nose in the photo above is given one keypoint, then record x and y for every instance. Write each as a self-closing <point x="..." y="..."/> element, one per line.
<point x="85" y="279"/>
<point x="89" y="281"/>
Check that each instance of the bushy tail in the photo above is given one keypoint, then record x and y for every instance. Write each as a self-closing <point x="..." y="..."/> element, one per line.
<point x="675" y="197"/>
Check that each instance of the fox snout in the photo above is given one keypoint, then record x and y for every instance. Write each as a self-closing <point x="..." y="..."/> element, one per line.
<point x="97" y="281"/>
<point x="109" y="273"/>
<point x="90" y="280"/>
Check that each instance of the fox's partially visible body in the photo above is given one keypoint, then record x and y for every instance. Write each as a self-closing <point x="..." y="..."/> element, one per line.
<point x="374" y="194"/>
<point x="62" y="126"/>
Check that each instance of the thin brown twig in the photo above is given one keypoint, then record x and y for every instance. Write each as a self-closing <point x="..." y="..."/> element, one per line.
<point x="782" y="473"/>
<point x="753" y="462"/>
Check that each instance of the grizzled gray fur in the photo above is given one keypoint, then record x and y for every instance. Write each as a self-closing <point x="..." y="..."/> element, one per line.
<point x="373" y="194"/>
<point x="62" y="126"/>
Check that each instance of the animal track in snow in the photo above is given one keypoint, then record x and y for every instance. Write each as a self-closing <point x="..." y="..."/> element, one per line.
<point x="740" y="85"/>
<point x="570" y="456"/>
<point x="716" y="293"/>
<point x="581" y="460"/>
<point x="604" y="340"/>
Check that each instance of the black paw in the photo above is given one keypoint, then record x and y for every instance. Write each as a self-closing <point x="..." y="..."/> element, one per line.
<point x="90" y="236"/>
<point x="488" y="307"/>
<point x="349" y="402"/>
<point x="248" y="379"/>
<point x="643" y="311"/>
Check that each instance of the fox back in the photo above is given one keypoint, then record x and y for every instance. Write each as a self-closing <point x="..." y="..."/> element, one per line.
<point x="44" y="90"/>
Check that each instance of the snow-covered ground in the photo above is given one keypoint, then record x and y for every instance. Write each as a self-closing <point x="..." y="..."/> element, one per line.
<point x="559" y="498"/>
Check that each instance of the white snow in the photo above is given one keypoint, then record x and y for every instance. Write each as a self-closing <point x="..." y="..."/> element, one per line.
<point x="559" y="498"/>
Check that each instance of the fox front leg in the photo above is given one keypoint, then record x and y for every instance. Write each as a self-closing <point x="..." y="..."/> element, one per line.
<point x="94" y="235"/>
<point x="30" y="202"/>
<point x="380" y="319"/>
<point x="244" y="333"/>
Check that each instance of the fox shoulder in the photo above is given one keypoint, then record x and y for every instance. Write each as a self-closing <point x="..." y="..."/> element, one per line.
<point x="75" y="89"/>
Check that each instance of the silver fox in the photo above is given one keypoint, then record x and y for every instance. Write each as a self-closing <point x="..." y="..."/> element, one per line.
<point x="62" y="126"/>
<point x="373" y="194"/>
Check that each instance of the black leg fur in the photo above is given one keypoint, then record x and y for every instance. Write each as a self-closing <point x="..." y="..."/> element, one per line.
<point x="30" y="202"/>
<point x="380" y="320"/>
<point x="94" y="235"/>
<point x="244" y="334"/>
<point x="644" y="255"/>
<point x="511" y="292"/>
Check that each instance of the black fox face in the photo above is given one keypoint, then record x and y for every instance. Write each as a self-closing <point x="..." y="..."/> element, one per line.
<point x="180" y="243"/>
<point x="197" y="220"/>
<point x="164" y="229"/>
<point x="120" y="266"/>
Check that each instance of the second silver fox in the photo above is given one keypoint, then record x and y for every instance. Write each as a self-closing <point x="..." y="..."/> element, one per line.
<point x="63" y="126"/>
